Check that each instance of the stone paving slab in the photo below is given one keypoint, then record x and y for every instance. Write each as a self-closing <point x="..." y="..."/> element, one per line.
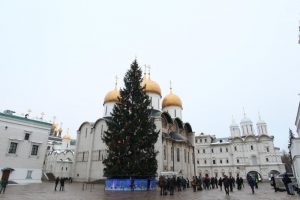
<point x="74" y="192"/>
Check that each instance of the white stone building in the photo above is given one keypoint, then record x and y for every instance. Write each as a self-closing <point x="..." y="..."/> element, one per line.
<point x="242" y="153"/>
<point x="295" y="149"/>
<point x="175" y="143"/>
<point x="23" y="144"/>
<point x="60" y="158"/>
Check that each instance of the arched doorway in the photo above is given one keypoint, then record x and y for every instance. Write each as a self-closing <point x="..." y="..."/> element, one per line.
<point x="254" y="174"/>
<point x="273" y="173"/>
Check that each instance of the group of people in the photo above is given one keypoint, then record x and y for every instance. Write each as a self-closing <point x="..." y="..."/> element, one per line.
<point x="61" y="181"/>
<point x="169" y="184"/>
<point x="207" y="183"/>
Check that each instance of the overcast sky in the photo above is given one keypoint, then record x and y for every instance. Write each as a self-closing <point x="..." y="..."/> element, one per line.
<point x="61" y="57"/>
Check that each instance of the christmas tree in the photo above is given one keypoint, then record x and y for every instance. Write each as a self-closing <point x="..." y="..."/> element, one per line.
<point x="131" y="134"/>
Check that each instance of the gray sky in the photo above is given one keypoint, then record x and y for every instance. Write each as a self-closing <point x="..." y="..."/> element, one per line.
<point x="61" y="57"/>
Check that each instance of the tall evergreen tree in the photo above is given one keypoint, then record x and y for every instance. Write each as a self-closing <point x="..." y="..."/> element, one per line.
<point x="131" y="134"/>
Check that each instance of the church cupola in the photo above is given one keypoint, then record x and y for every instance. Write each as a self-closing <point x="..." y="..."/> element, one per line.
<point x="247" y="126"/>
<point x="235" y="129"/>
<point x="172" y="104"/>
<point x="110" y="99"/>
<point x="261" y="126"/>
<point x="152" y="89"/>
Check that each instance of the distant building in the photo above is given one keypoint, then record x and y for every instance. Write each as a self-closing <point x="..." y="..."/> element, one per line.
<point x="295" y="149"/>
<point x="23" y="143"/>
<point x="242" y="153"/>
<point x="60" y="157"/>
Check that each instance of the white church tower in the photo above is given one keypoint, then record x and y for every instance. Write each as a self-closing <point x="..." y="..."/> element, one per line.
<point x="261" y="126"/>
<point x="110" y="100"/>
<point x="247" y="126"/>
<point x="173" y="105"/>
<point x="235" y="129"/>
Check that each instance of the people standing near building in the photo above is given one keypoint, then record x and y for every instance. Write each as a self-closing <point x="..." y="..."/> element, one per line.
<point x="131" y="184"/>
<point x="62" y="184"/>
<point x="251" y="181"/>
<point x="56" y="183"/>
<point x="226" y="184"/>
<point x="216" y="182"/>
<point x="286" y="181"/>
<point x="3" y="184"/>
<point x="238" y="182"/>
<point x="172" y="185"/>
<point x="273" y="183"/>
<point x="231" y="183"/>
<point x="162" y="184"/>
<point x="220" y="183"/>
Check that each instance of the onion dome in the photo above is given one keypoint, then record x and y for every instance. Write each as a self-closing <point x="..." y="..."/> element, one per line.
<point x="112" y="96"/>
<point x="151" y="86"/>
<point x="171" y="100"/>
<point x="67" y="137"/>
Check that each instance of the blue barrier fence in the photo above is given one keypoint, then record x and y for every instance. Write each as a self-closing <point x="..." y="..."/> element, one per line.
<point x="124" y="184"/>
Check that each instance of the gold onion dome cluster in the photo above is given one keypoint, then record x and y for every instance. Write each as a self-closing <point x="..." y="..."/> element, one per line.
<point x="112" y="96"/>
<point x="171" y="100"/>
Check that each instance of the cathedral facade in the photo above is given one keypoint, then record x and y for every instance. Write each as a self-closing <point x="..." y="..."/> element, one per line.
<point x="175" y="143"/>
<point x="242" y="153"/>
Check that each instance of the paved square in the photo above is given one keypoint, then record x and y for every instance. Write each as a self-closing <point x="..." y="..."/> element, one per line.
<point x="74" y="191"/>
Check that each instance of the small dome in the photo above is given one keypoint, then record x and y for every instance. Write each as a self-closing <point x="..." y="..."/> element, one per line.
<point x="67" y="137"/>
<point x="171" y="100"/>
<point x="151" y="86"/>
<point x="112" y="96"/>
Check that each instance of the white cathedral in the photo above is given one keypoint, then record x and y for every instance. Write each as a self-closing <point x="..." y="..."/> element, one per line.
<point x="242" y="153"/>
<point x="175" y="143"/>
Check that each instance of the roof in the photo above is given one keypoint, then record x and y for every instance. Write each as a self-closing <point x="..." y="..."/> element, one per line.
<point x="27" y="120"/>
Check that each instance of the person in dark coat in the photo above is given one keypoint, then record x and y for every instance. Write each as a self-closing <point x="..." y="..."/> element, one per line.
<point x="226" y="184"/>
<point x="273" y="183"/>
<point x="216" y="182"/>
<point x="220" y="183"/>
<point x="286" y="180"/>
<point x="62" y="184"/>
<point x="148" y="183"/>
<point x="231" y="183"/>
<point x="172" y="185"/>
<point x="251" y="182"/>
<point x="3" y="185"/>
<point x="56" y="183"/>
<point x="131" y="184"/>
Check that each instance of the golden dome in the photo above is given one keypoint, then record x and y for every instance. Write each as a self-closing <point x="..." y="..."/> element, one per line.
<point x="151" y="86"/>
<point x="112" y="96"/>
<point x="171" y="100"/>
<point x="67" y="137"/>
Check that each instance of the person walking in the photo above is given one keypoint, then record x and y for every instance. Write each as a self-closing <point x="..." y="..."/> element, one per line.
<point x="3" y="185"/>
<point x="220" y="182"/>
<point x="56" y="183"/>
<point x="231" y="183"/>
<point x="286" y="181"/>
<point x="251" y="182"/>
<point x="226" y="184"/>
<point x="62" y="184"/>
<point x="273" y="183"/>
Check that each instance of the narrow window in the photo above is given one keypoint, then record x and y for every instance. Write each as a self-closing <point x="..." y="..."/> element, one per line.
<point x="178" y="155"/>
<point x="221" y="161"/>
<point x="172" y="153"/>
<point x="235" y="149"/>
<point x="267" y="159"/>
<point x="165" y="153"/>
<point x="99" y="155"/>
<point x="185" y="155"/>
<point x="201" y="140"/>
<point x="204" y="161"/>
<point x="220" y="150"/>
<point x="268" y="149"/>
<point x="197" y="161"/>
<point x="251" y="147"/>
<point x="214" y="162"/>
<point x="237" y="160"/>
<point x="203" y="150"/>
<point x="198" y="151"/>
<point x="188" y="157"/>
<point x="212" y="150"/>
<point x="227" y="161"/>
<point x="29" y="173"/>
<point x="27" y="135"/>
<point x="226" y="149"/>
<point x="205" y="140"/>
<point x="13" y="148"/>
<point x="83" y="156"/>
<point x="34" y="150"/>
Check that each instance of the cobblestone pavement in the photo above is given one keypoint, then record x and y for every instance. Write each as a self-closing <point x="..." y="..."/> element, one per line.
<point x="74" y="191"/>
